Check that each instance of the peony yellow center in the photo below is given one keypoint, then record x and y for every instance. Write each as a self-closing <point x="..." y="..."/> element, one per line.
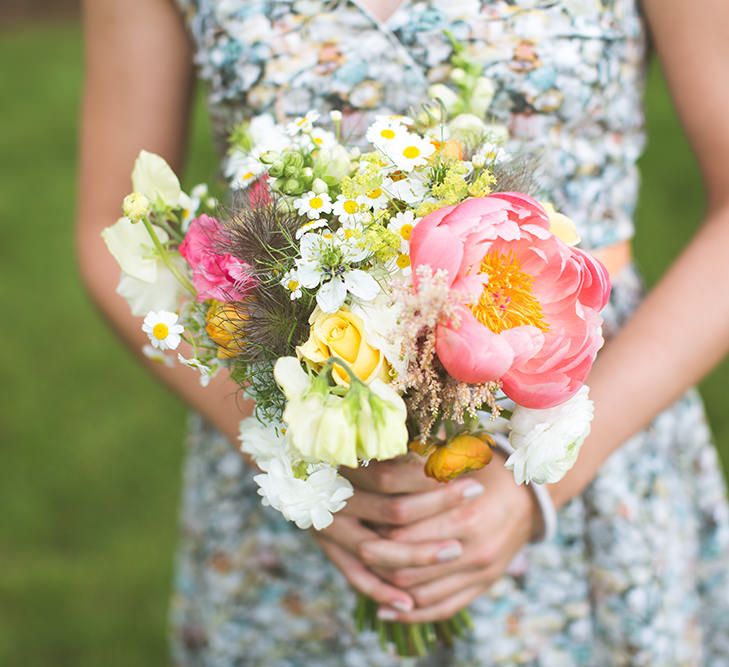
<point x="387" y="133"/>
<point x="411" y="152"/>
<point x="160" y="331"/>
<point x="350" y="206"/>
<point x="507" y="301"/>
<point x="406" y="231"/>
<point x="316" y="202"/>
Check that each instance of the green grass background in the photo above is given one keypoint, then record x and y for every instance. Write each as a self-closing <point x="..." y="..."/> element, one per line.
<point x="91" y="446"/>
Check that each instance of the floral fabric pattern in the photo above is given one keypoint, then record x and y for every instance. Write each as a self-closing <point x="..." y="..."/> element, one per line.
<point x="639" y="571"/>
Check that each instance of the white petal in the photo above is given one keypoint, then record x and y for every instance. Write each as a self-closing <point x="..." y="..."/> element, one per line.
<point x="131" y="247"/>
<point x="309" y="274"/>
<point x="154" y="178"/>
<point x="331" y="295"/>
<point x="289" y="375"/>
<point x="142" y="296"/>
<point x="361" y="284"/>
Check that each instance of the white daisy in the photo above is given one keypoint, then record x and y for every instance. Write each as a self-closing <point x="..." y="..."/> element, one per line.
<point x="242" y="169"/>
<point x="302" y="123"/>
<point x="348" y="210"/>
<point x="490" y="153"/>
<point x="207" y="373"/>
<point x="322" y="138"/>
<point x="313" y="204"/>
<point x="310" y="227"/>
<point x="402" y="224"/>
<point x="394" y="118"/>
<point x="410" y="151"/>
<point x="290" y="281"/>
<point x="162" y="329"/>
<point x="383" y="132"/>
<point x="153" y="354"/>
<point x="375" y="199"/>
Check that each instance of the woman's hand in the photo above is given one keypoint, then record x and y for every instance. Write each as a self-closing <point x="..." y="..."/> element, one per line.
<point x="491" y="528"/>
<point x="388" y="495"/>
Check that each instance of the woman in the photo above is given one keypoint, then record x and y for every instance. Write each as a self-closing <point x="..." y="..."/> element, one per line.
<point x="638" y="573"/>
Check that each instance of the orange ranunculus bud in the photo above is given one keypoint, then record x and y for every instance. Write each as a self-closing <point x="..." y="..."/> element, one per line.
<point x="452" y="148"/>
<point x="420" y="447"/>
<point x="462" y="454"/>
<point x="223" y="325"/>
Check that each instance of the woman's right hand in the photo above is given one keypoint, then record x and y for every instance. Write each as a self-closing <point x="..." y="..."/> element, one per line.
<point x="388" y="494"/>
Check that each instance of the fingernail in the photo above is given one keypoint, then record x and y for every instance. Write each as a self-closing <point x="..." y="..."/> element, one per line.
<point x="402" y="605"/>
<point x="386" y="614"/>
<point x="451" y="552"/>
<point x="472" y="490"/>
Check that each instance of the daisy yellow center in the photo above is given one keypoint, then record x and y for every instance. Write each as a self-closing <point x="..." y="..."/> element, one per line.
<point x="403" y="261"/>
<point x="374" y="194"/>
<point x="507" y="301"/>
<point x="300" y="122"/>
<point x="248" y="176"/>
<point x="160" y="331"/>
<point x="293" y="285"/>
<point x="411" y="152"/>
<point x="406" y="231"/>
<point x="387" y="133"/>
<point x="316" y="202"/>
<point x="350" y="206"/>
<point x="348" y="233"/>
<point x="318" y="140"/>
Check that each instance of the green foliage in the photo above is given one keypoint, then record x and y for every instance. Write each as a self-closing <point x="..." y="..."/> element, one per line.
<point x="90" y="475"/>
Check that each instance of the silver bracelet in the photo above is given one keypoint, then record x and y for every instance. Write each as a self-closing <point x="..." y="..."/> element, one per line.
<point x="544" y="500"/>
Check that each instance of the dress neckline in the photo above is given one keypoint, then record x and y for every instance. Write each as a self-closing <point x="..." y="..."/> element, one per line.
<point x="383" y="23"/>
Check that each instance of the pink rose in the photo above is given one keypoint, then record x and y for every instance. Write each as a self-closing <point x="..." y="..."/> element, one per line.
<point x="215" y="276"/>
<point x="533" y="317"/>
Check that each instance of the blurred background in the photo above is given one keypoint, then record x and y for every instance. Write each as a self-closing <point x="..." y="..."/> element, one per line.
<point x="91" y="445"/>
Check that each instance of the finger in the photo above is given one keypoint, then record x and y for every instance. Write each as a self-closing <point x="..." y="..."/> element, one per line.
<point x="410" y="507"/>
<point x="392" y="477"/>
<point x="347" y="532"/>
<point x="438" y="612"/>
<point x="364" y="581"/>
<point x="409" y="577"/>
<point x="389" y="554"/>
<point x="468" y="519"/>
<point x="434" y="592"/>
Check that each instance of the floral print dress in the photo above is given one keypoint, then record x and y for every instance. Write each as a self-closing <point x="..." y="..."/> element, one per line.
<point x="638" y="573"/>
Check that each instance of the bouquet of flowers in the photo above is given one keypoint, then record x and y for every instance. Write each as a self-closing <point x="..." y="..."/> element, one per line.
<point x="411" y="297"/>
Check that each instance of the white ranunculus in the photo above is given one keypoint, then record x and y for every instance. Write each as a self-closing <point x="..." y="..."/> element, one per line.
<point x="263" y="442"/>
<point x="306" y="502"/>
<point x="142" y="296"/>
<point x="333" y="161"/>
<point x="445" y="94"/>
<point x="467" y="127"/>
<point x="547" y="442"/>
<point x="132" y="248"/>
<point x="154" y="178"/>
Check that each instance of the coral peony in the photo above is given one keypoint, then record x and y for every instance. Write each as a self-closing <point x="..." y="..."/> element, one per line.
<point x="215" y="276"/>
<point x="532" y="315"/>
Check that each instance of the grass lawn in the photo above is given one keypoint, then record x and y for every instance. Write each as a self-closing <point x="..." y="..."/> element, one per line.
<point x="91" y="446"/>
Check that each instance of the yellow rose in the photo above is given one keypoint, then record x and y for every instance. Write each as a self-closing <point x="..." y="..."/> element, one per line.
<point x="342" y="335"/>
<point x="223" y="325"/>
<point x="561" y="226"/>
<point x="464" y="453"/>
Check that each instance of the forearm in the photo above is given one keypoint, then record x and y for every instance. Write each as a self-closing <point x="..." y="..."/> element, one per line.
<point x="220" y="402"/>
<point x="675" y="337"/>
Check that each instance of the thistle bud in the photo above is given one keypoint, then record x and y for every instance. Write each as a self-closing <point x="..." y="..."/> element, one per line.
<point x="463" y="454"/>
<point x="135" y="206"/>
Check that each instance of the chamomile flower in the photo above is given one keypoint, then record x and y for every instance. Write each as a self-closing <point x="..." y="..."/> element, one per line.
<point x="302" y="123"/>
<point x="153" y="354"/>
<point x="313" y="204"/>
<point x="310" y="226"/>
<point x="383" y="132"/>
<point x="403" y="224"/>
<point x="394" y="118"/>
<point x="242" y="169"/>
<point x="490" y="153"/>
<point x="375" y="199"/>
<point x="207" y="373"/>
<point x="321" y="138"/>
<point x="410" y="151"/>
<point x="349" y="211"/>
<point x="162" y="329"/>
<point x="290" y="282"/>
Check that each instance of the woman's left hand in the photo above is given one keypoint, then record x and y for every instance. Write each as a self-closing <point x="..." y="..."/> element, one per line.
<point x="492" y="528"/>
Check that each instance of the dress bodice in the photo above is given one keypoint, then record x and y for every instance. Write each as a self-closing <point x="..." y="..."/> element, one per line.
<point x="568" y="76"/>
